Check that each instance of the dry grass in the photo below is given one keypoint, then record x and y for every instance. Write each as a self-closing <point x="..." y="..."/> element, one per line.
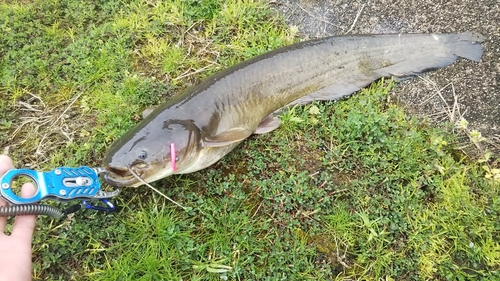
<point x="43" y="128"/>
<point x="446" y="111"/>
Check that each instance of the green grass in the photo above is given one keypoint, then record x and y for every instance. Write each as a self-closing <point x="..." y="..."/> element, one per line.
<point x="348" y="190"/>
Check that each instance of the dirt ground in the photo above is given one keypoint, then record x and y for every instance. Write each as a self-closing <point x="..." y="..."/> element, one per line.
<point x="468" y="89"/>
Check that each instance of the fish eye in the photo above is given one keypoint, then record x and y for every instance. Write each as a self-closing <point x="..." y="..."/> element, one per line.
<point x="143" y="155"/>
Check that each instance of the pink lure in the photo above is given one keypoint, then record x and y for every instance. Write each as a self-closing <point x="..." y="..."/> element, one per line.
<point x="172" y="156"/>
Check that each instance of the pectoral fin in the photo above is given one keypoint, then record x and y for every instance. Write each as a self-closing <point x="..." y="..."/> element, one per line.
<point x="270" y="123"/>
<point x="227" y="137"/>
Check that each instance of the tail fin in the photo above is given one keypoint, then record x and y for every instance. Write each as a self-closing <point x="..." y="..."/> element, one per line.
<point x="451" y="46"/>
<point x="465" y="45"/>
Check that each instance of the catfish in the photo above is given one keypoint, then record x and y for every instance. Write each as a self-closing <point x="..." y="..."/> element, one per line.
<point x="203" y="123"/>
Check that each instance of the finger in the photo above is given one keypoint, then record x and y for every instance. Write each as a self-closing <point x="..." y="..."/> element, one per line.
<point x="5" y="165"/>
<point x="24" y="225"/>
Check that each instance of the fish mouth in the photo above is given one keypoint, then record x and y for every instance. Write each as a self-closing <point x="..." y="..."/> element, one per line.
<point x="121" y="176"/>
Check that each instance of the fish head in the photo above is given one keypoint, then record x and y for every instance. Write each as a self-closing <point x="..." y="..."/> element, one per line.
<point x="153" y="150"/>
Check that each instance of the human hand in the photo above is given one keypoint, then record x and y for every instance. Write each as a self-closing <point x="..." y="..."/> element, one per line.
<point x="15" y="249"/>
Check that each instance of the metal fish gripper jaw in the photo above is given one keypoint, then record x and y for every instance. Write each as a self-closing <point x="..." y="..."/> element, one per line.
<point x="63" y="183"/>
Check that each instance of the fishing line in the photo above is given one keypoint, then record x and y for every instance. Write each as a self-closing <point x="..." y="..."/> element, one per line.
<point x="150" y="186"/>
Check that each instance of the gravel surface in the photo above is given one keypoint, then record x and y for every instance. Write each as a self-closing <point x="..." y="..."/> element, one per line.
<point x="468" y="89"/>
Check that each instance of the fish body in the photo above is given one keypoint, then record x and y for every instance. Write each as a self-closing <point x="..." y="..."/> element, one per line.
<point x="207" y="121"/>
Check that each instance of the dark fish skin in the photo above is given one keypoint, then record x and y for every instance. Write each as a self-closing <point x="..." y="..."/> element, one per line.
<point x="207" y="121"/>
